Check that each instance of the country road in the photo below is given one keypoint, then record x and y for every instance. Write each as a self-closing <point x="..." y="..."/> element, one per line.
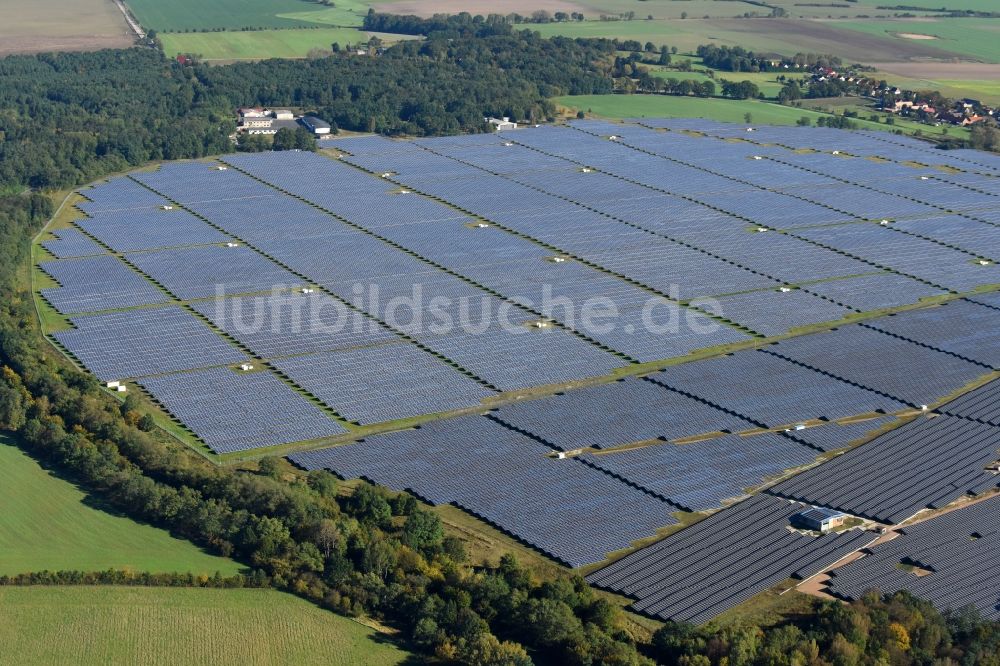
<point x="132" y="23"/>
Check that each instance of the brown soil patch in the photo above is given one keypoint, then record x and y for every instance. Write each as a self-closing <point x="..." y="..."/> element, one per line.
<point x="825" y="37"/>
<point x="61" y="25"/>
<point x="12" y="45"/>
<point x="523" y="7"/>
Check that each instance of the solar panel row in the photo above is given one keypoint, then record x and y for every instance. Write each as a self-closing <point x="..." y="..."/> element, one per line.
<point x="236" y="411"/>
<point x="573" y="512"/>
<point x="925" y="463"/>
<point x="715" y="564"/>
<point x="70" y="243"/>
<point x="950" y="560"/>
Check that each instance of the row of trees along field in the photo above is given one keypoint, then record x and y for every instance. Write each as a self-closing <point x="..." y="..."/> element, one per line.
<point x="69" y="119"/>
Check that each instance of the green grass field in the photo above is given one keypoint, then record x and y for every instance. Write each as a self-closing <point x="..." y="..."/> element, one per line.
<point x="976" y="38"/>
<point x="46" y="523"/>
<point x="201" y="15"/>
<point x="180" y="15"/>
<point x="987" y="90"/>
<point x="344" y="13"/>
<point x="151" y="626"/>
<point x="259" y="43"/>
<point x="725" y="110"/>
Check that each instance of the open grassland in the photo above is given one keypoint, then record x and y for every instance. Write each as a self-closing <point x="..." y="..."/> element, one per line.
<point x="61" y="25"/>
<point x="974" y="38"/>
<point x="259" y="44"/>
<point x="105" y="625"/>
<point x="48" y="523"/>
<point x="724" y="110"/>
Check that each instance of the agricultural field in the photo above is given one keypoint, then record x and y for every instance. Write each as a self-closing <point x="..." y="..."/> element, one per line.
<point x="976" y="39"/>
<point x="48" y="523"/>
<point x="185" y="15"/>
<point x="64" y="25"/>
<point x="726" y="110"/>
<point x="253" y="45"/>
<point x="226" y="14"/>
<point x="102" y="625"/>
<point x="784" y="36"/>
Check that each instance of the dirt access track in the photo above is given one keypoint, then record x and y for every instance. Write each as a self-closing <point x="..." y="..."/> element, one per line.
<point x="812" y="36"/>
<point x="61" y="25"/>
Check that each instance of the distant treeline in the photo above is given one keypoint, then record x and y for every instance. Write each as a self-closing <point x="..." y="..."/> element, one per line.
<point x="738" y="59"/>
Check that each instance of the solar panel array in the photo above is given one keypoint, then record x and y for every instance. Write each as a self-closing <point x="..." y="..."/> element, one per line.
<point x="772" y="391"/>
<point x="507" y="222"/>
<point x="715" y="564"/>
<point x="950" y="560"/>
<point x="383" y="383"/>
<point x="69" y="243"/>
<point x="925" y="463"/>
<point x="776" y="313"/>
<point x="573" y="512"/>
<point x="881" y="362"/>
<point x="236" y="411"/>
<point x="962" y="328"/>
<point x="119" y="193"/>
<point x="213" y="270"/>
<point x="515" y="268"/>
<point x="138" y="343"/>
<point x="149" y="228"/>
<point x="874" y="292"/>
<point x="982" y="404"/>
<point x="699" y="476"/>
<point x="92" y="284"/>
<point x="623" y="412"/>
<point x="834" y="435"/>
<point x="292" y="323"/>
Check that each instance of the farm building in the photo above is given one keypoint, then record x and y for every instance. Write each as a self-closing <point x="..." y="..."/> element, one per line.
<point x="315" y="125"/>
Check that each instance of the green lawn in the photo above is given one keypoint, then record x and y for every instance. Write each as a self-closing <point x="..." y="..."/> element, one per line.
<point x="259" y="43"/>
<point x="976" y="38"/>
<point x="47" y="523"/>
<point x="725" y="110"/>
<point x="151" y="626"/>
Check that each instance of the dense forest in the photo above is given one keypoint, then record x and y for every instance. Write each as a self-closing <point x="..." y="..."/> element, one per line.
<point x="68" y="119"/>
